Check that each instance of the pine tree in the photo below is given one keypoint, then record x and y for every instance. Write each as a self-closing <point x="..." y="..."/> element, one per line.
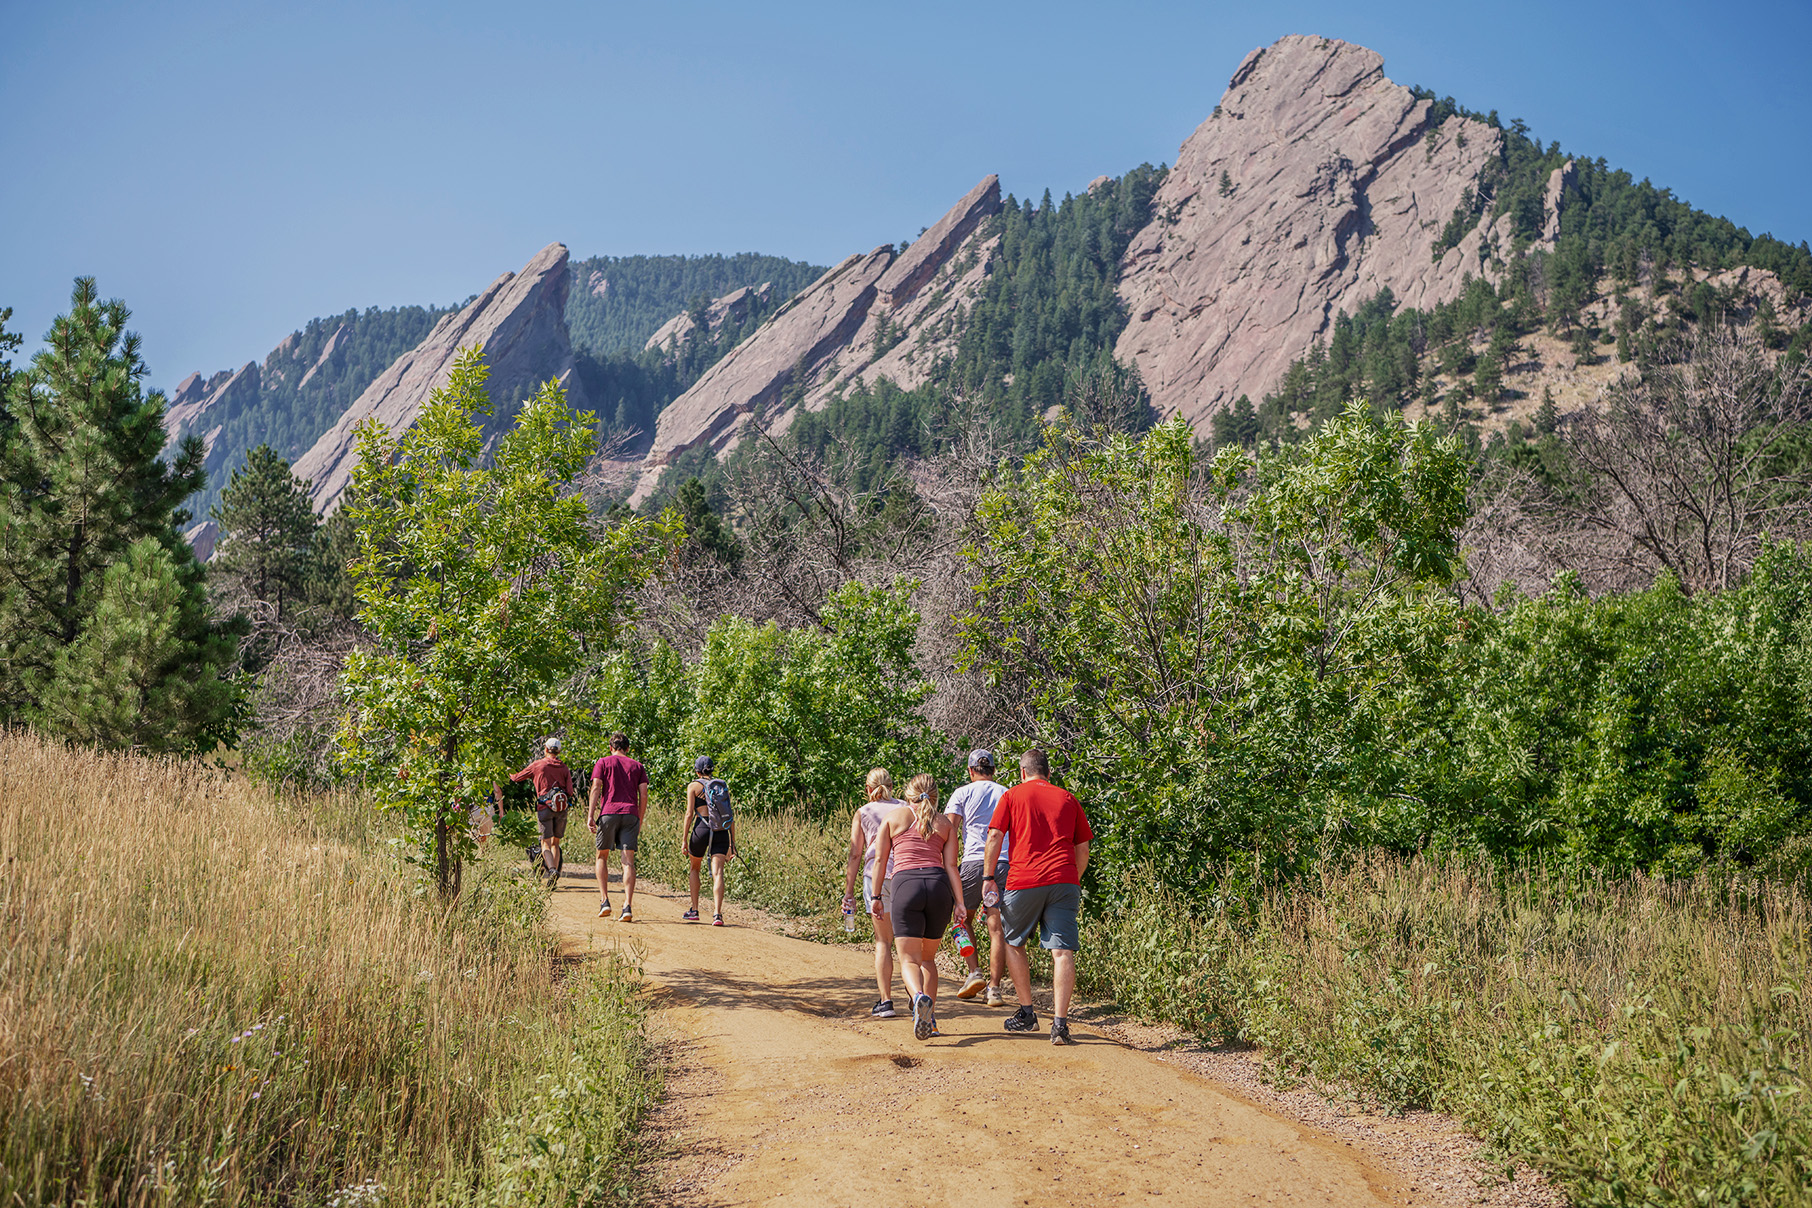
<point x="267" y="531"/>
<point x="81" y="490"/>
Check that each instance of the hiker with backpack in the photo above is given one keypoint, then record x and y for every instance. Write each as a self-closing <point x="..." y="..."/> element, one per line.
<point x="708" y="828"/>
<point x="619" y="802"/>
<point x="553" y="795"/>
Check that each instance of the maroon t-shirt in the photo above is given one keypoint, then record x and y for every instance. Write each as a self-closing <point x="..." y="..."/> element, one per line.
<point x="1046" y="823"/>
<point x="618" y="777"/>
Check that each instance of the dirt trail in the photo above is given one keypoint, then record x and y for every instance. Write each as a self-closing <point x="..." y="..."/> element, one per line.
<point x="791" y="1094"/>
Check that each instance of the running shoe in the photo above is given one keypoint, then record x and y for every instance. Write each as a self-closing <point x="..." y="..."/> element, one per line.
<point x="1023" y="1020"/>
<point x="691" y="916"/>
<point x="626" y="917"/>
<point x="923" y="1025"/>
<point x="973" y="986"/>
<point x="603" y="909"/>
<point x="882" y="1010"/>
<point x="995" y="997"/>
<point x="717" y="920"/>
<point x="1060" y="1032"/>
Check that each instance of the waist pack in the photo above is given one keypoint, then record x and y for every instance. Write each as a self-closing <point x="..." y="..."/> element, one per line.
<point x="554" y="799"/>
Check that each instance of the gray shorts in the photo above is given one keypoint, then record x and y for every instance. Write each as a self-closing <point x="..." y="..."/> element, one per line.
<point x="552" y="822"/>
<point x="971" y="875"/>
<point x="618" y="831"/>
<point x="1050" y="909"/>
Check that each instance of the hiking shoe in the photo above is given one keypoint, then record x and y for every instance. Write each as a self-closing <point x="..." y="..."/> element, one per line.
<point x="717" y="920"/>
<point x="973" y="986"/>
<point x="882" y="1010"/>
<point x="691" y="916"/>
<point x="1060" y="1032"/>
<point x="923" y="1025"/>
<point x="995" y="997"/>
<point x="1023" y="1020"/>
<point x="626" y="916"/>
<point x="603" y="909"/>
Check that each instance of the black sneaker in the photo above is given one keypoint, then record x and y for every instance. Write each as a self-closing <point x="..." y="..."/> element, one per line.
<point x="882" y="1009"/>
<point x="1023" y="1020"/>
<point x="1060" y="1032"/>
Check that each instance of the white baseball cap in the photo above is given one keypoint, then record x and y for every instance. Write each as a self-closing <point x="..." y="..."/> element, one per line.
<point x="552" y="744"/>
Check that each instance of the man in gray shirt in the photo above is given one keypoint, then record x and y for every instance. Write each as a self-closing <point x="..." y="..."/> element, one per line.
<point x="973" y="806"/>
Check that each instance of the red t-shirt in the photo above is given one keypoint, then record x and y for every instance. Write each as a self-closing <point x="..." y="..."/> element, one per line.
<point x="619" y="776"/>
<point x="547" y="773"/>
<point x="1046" y="823"/>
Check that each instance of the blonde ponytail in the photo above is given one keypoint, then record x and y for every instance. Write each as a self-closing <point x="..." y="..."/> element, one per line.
<point x="921" y="795"/>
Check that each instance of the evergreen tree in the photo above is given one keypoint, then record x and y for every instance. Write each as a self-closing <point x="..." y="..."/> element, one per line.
<point x="267" y="531"/>
<point x="703" y="525"/>
<point x="82" y="490"/>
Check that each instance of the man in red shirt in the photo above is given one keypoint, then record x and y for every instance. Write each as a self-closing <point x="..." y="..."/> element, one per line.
<point x="553" y="794"/>
<point x="619" y="801"/>
<point x="1044" y="886"/>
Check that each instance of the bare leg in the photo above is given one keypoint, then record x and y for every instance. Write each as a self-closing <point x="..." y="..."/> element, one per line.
<point x="628" y="858"/>
<point x="1021" y="969"/>
<point x="997" y="948"/>
<point x="717" y="882"/>
<point x="928" y="962"/>
<point x="911" y="968"/>
<point x="696" y="861"/>
<point x="1063" y="981"/>
<point x="604" y="877"/>
<point x="884" y="957"/>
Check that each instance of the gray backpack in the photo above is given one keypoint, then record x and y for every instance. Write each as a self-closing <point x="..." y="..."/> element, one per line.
<point x="718" y="814"/>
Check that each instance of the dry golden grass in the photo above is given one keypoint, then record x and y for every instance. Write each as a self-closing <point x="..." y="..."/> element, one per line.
<point x="209" y="995"/>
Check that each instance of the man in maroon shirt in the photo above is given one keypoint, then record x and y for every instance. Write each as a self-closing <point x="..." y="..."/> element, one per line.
<point x="551" y="779"/>
<point x="1044" y="886"/>
<point x="619" y="801"/>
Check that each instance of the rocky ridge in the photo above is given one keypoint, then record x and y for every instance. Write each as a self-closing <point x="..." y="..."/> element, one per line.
<point x="884" y="314"/>
<point x="519" y="322"/>
<point x="731" y="308"/>
<point x="1316" y="183"/>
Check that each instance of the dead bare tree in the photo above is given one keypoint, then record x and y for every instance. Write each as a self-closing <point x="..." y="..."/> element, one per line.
<point x="1685" y="469"/>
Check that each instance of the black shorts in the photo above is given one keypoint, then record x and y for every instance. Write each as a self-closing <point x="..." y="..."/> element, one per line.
<point x="703" y="841"/>
<point x="922" y="903"/>
<point x="618" y="831"/>
<point x="553" y="822"/>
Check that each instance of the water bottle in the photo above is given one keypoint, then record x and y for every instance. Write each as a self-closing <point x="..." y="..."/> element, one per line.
<point x="849" y="916"/>
<point x="965" y="943"/>
<point x="990" y="895"/>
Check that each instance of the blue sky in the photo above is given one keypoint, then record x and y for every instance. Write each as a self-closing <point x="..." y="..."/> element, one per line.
<point x="232" y="170"/>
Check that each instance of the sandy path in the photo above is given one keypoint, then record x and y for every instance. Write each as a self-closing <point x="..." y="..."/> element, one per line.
<point x="791" y="1094"/>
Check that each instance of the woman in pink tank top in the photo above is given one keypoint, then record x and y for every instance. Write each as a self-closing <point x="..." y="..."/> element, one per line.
<point x="922" y="845"/>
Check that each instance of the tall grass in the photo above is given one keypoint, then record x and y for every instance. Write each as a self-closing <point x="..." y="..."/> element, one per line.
<point x="211" y="995"/>
<point x="786" y="863"/>
<point x="1644" y="1041"/>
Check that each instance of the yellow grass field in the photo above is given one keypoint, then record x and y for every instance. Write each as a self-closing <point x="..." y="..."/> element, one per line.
<point x="209" y="995"/>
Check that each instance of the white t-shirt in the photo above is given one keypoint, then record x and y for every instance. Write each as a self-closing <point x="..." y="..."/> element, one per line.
<point x="973" y="808"/>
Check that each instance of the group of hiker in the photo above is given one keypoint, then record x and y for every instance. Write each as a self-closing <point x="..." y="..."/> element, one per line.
<point x="1015" y="855"/>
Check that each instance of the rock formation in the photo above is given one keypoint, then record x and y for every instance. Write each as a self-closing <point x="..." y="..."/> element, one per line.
<point x="731" y="308"/>
<point x="519" y="320"/>
<point x="1316" y="183"/>
<point x="861" y="321"/>
<point x="195" y="403"/>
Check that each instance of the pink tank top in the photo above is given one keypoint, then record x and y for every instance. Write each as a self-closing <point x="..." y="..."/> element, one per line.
<point x="911" y="850"/>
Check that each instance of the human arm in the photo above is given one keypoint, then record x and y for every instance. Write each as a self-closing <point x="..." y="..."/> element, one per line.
<point x="688" y="814"/>
<point x="991" y="856"/>
<point x="854" y="864"/>
<point x="732" y="838"/>
<point x="1081" y="858"/>
<point x="597" y="800"/>
<point x="641" y="801"/>
<point x="952" y="847"/>
<point x="883" y="853"/>
<point x="497" y="795"/>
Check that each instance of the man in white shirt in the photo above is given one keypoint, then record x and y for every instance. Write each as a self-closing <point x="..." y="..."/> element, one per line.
<point x="973" y="806"/>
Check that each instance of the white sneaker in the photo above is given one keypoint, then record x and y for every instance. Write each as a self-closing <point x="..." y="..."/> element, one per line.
<point x="973" y="986"/>
<point x="995" y="998"/>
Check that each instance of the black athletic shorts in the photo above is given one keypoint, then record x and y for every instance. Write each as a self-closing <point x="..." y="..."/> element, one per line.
<point x="922" y="903"/>
<point x="703" y="841"/>
<point x="553" y="823"/>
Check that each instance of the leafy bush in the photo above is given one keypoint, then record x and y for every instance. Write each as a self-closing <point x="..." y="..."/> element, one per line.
<point x="793" y="717"/>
